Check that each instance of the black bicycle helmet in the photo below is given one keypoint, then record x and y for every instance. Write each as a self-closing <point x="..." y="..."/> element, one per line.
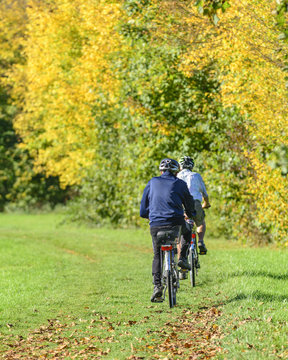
<point x="170" y="165"/>
<point x="186" y="162"/>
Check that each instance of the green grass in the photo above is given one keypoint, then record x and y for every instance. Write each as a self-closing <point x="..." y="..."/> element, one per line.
<point x="82" y="292"/>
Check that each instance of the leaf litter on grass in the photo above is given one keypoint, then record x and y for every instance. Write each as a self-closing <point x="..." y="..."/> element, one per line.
<point x="192" y="336"/>
<point x="52" y="342"/>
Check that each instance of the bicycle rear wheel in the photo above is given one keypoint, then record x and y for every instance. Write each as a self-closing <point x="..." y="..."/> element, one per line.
<point x="193" y="268"/>
<point x="172" y="281"/>
<point x="176" y="284"/>
<point x="170" y="289"/>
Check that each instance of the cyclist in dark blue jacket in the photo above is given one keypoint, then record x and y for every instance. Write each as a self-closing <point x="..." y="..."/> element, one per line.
<point x="162" y="203"/>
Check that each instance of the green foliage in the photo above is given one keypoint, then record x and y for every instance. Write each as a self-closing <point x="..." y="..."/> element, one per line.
<point x="161" y="112"/>
<point x="279" y="159"/>
<point x="7" y="141"/>
<point x="282" y="10"/>
<point x="211" y="7"/>
<point x="20" y="186"/>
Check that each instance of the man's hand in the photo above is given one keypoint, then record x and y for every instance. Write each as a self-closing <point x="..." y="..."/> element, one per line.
<point x="206" y="205"/>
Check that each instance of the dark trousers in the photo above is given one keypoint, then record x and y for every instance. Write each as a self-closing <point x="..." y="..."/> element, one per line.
<point x="185" y="242"/>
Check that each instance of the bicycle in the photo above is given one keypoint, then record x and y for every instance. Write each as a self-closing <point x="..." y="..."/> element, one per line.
<point x="193" y="255"/>
<point x="170" y="272"/>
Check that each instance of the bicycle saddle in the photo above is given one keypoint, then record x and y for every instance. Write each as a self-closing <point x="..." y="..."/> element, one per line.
<point x="166" y="235"/>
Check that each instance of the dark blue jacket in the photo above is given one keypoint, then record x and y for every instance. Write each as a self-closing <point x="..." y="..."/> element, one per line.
<point x="163" y="200"/>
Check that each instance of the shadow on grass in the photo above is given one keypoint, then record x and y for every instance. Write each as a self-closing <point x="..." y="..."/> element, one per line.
<point x="262" y="273"/>
<point x="255" y="295"/>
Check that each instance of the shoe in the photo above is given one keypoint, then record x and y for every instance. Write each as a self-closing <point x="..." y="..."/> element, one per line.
<point x="157" y="294"/>
<point x="183" y="263"/>
<point x="182" y="275"/>
<point x="202" y="249"/>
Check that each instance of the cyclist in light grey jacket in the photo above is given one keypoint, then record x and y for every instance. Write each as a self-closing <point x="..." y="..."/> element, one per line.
<point x="197" y="189"/>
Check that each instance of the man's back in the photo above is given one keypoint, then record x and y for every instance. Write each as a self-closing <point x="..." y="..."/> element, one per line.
<point x="163" y="200"/>
<point x="194" y="182"/>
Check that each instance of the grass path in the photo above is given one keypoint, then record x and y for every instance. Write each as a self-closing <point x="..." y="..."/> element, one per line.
<point x="69" y="292"/>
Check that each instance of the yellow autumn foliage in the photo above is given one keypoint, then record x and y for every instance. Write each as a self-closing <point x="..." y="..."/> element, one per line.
<point x="67" y="71"/>
<point x="12" y="27"/>
<point x="272" y="193"/>
<point x="250" y="55"/>
<point x="12" y="13"/>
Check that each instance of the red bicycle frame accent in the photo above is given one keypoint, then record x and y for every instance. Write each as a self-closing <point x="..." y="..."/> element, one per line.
<point x="166" y="247"/>
<point x="193" y="238"/>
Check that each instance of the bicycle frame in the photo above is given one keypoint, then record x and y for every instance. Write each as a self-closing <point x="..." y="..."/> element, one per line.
<point x="193" y="241"/>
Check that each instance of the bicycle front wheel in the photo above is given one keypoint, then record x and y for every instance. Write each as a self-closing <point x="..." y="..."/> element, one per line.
<point x="193" y="268"/>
